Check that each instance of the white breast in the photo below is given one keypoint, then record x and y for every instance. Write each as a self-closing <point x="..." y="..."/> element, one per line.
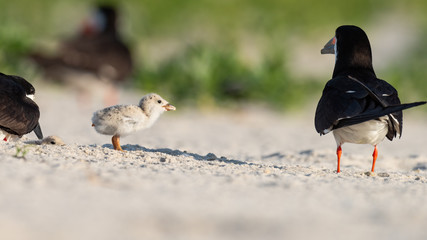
<point x="369" y="132"/>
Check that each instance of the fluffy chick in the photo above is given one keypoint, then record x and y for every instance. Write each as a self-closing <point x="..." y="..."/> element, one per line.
<point x="122" y="120"/>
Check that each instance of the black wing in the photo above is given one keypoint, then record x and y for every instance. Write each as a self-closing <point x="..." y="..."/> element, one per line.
<point x="346" y="101"/>
<point x="19" y="115"/>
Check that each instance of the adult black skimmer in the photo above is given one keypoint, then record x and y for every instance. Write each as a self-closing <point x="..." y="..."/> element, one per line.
<point x="355" y="105"/>
<point x="97" y="54"/>
<point x="122" y="120"/>
<point x="19" y="114"/>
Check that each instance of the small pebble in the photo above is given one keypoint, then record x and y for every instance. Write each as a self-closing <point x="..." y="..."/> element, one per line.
<point x="383" y="175"/>
<point x="370" y="174"/>
<point x="373" y="174"/>
<point x="210" y="157"/>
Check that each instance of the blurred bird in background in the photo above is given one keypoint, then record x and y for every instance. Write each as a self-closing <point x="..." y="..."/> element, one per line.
<point x="93" y="60"/>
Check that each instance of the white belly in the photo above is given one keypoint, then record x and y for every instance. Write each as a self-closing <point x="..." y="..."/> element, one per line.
<point x="369" y="132"/>
<point x="122" y="120"/>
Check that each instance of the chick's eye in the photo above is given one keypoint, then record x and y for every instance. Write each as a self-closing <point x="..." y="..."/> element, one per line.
<point x="159" y="101"/>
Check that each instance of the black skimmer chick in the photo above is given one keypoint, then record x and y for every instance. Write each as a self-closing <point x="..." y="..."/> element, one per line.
<point x="95" y="59"/>
<point x="49" y="140"/>
<point x="355" y="105"/>
<point x="19" y="114"/>
<point x="122" y="120"/>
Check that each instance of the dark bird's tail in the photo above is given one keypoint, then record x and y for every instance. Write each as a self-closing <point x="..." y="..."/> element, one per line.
<point x="38" y="131"/>
<point x="42" y="61"/>
<point x="376" y="113"/>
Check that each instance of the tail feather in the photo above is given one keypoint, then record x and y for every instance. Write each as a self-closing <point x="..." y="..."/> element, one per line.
<point x="43" y="61"/>
<point x="38" y="131"/>
<point x="376" y="114"/>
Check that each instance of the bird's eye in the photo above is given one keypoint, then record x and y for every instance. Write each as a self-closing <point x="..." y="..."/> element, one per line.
<point x="159" y="101"/>
<point x="53" y="142"/>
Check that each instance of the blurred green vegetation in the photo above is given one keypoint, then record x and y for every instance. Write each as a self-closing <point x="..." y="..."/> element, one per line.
<point x="215" y="77"/>
<point x="218" y="52"/>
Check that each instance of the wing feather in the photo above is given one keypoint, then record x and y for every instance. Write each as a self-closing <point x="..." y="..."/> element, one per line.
<point x="347" y="100"/>
<point x="19" y="115"/>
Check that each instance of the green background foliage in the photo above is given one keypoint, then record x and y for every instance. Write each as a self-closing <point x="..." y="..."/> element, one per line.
<point x="221" y="52"/>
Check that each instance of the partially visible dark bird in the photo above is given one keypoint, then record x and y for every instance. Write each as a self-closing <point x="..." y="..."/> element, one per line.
<point x="355" y="105"/>
<point x="19" y="114"/>
<point x="96" y="51"/>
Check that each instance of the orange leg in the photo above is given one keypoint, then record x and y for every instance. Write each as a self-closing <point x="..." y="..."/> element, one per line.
<point x="339" y="152"/>
<point x="116" y="143"/>
<point x="374" y="155"/>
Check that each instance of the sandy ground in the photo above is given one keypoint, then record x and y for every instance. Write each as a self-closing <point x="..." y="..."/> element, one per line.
<point x="246" y="173"/>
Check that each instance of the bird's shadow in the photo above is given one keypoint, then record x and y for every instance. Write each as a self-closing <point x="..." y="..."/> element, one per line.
<point x="177" y="153"/>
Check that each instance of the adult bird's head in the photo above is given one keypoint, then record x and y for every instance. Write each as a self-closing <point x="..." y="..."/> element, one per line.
<point x="103" y="20"/>
<point x="351" y="48"/>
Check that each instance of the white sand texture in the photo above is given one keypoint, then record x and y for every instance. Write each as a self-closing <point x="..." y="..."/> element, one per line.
<point x="246" y="173"/>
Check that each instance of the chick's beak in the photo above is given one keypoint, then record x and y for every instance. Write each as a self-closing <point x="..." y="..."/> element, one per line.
<point x="169" y="107"/>
<point x="329" y="48"/>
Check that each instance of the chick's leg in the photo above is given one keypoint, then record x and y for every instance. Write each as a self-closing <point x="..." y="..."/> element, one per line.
<point x="116" y="143"/>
